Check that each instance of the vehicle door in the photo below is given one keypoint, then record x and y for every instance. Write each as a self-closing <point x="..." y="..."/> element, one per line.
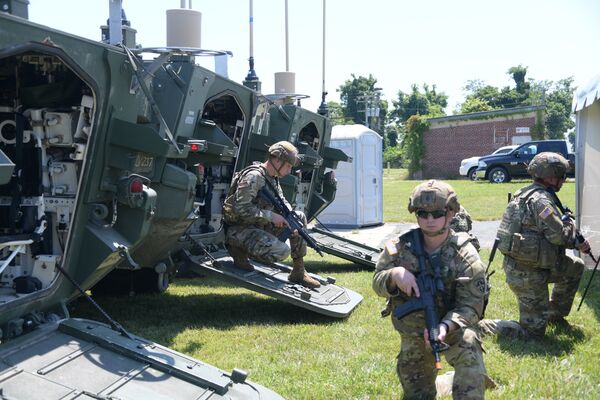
<point x="518" y="166"/>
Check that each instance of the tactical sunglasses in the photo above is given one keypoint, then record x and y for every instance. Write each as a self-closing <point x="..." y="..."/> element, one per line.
<point x="434" y="214"/>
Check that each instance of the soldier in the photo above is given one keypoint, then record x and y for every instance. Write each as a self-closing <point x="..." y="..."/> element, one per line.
<point x="462" y="222"/>
<point x="435" y="204"/>
<point x="533" y="237"/>
<point x="253" y="226"/>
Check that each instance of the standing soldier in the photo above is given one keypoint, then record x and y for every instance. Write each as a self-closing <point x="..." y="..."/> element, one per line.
<point x="533" y="237"/>
<point x="252" y="225"/>
<point x="451" y="257"/>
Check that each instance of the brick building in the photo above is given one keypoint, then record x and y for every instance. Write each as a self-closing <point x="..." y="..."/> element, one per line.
<point x="453" y="138"/>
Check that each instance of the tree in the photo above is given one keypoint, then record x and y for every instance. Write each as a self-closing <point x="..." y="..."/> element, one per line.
<point x="413" y="148"/>
<point x="555" y="96"/>
<point x="518" y="74"/>
<point x="559" y="119"/>
<point x="429" y="102"/>
<point x="351" y="93"/>
<point x="336" y="114"/>
<point x="474" y="104"/>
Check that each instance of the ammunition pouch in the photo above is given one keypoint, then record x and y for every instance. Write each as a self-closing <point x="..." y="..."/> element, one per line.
<point x="533" y="249"/>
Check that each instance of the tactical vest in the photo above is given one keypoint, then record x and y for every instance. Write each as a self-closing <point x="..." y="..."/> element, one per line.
<point x="229" y="214"/>
<point x="522" y="246"/>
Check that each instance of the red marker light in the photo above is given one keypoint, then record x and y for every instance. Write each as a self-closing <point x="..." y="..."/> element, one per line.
<point x="136" y="186"/>
<point x="194" y="147"/>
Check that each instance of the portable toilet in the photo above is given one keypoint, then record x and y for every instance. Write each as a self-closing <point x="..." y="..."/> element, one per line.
<point x="359" y="196"/>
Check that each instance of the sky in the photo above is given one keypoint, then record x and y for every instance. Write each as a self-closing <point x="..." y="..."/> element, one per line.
<point x="399" y="42"/>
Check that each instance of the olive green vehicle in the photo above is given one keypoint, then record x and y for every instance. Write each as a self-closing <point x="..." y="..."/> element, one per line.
<point x="113" y="170"/>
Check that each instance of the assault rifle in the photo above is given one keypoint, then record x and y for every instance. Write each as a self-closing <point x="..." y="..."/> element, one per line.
<point x="429" y="287"/>
<point x="294" y="222"/>
<point x="568" y="214"/>
<point x="488" y="286"/>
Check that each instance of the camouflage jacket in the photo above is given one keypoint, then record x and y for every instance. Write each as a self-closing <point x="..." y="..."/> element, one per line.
<point x="462" y="221"/>
<point x="463" y="274"/>
<point x="243" y="205"/>
<point x="542" y="217"/>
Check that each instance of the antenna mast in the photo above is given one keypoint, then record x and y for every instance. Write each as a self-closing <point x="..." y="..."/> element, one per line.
<point x="252" y="80"/>
<point x="323" y="109"/>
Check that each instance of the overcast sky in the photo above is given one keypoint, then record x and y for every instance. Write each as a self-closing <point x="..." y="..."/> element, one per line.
<point x="400" y="42"/>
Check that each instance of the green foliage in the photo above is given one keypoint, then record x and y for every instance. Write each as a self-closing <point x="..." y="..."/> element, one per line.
<point x="518" y="74"/>
<point x="537" y="133"/>
<point x="558" y="109"/>
<point x="474" y="104"/>
<point x="336" y="114"/>
<point x="572" y="138"/>
<point x="412" y="145"/>
<point x="391" y="136"/>
<point x="350" y="95"/>
<point x="392" y="156"/>
<point x="485" y="201"/>
<point x="557" y="98"/>
<point x="429" y="102"/>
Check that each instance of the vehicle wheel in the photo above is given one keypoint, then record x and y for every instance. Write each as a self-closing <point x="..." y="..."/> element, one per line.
<point x="498" y="175"/>
<point x="472" y="173"/>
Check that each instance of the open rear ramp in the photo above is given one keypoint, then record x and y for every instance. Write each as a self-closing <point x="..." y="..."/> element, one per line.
<point x="347" y="249"/>
<point x="271" y="280"/>
<point x="83" y="359"/>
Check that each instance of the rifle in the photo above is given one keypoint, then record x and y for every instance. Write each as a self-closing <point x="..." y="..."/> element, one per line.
<point x="290" y="216"/>
<point x="488" y="287"/>
<point x="567" y="213"/>
<point x="429" y="286"/>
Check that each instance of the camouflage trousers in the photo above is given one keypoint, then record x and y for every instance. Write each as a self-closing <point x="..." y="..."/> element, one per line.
<point x="262" y="244"/>
<point x="530" y="285"/>
<point x="417" y="372"/>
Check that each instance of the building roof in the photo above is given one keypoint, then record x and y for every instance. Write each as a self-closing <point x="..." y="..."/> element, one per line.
<point x="485" y="114"/>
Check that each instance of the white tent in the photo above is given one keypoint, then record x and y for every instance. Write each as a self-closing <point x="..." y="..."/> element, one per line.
<point x="359" y="197"/>
<point x="586" y="104"/>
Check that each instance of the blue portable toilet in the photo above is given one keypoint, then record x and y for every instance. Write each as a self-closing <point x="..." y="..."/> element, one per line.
<point x="359" y="197"/>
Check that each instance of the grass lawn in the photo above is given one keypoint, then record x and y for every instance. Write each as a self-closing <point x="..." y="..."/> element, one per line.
<point x="485" y="201"/>
<point x="302" y="355"/>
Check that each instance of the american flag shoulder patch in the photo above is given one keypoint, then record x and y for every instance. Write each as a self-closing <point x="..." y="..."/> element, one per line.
<point x="546" y="212"/>
<point x="391" y="248"/>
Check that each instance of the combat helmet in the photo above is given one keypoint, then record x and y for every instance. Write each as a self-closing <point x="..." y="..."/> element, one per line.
<point x="548" y="165"/>
<point x="285" y="151"/>
<point x="433" y="195"/>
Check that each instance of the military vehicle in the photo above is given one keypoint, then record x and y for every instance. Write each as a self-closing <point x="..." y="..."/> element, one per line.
<point x="110" y="163"/>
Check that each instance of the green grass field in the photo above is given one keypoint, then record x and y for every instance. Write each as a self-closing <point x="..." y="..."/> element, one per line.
<point x="484" y="201"/>
<point x="302" y="355"/>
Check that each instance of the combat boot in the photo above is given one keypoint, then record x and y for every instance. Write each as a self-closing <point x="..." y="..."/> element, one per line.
<point x="299" y="275"/>
<point x="240" y="258"/>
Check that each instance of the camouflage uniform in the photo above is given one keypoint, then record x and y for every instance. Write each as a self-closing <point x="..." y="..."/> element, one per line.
<point x="248" y="218"/>
<point x="549" y="263"/>
<point x="464" y="305"/>
<point x="462" y="222"/>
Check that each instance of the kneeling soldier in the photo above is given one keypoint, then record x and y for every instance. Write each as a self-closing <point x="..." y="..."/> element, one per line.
<point x="434" y="261"/>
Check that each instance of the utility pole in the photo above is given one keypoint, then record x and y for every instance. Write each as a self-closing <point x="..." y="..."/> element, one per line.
<point x="371" y="100"/>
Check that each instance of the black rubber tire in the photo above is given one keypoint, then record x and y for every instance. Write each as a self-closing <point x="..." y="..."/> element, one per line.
<point x="471" y="174"/>
<point x="498" y="175"/>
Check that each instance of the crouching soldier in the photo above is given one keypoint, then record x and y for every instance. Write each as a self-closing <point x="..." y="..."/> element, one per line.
<point x="252" y="225"/>
<point x="454" y="269"/>
<point x="533" y="237"/>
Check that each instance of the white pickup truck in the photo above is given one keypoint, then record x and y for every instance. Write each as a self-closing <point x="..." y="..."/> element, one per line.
<point x="468" y="166"/>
